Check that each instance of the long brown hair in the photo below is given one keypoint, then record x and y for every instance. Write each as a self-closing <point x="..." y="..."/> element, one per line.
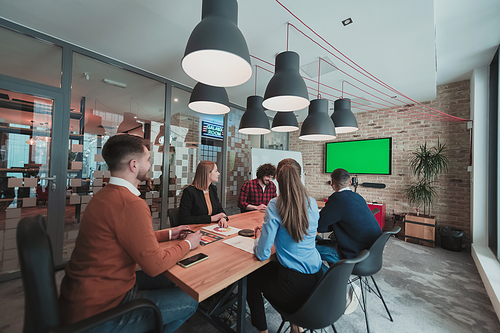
<point x="200" y="180"/>
<point x="293" y="201"/>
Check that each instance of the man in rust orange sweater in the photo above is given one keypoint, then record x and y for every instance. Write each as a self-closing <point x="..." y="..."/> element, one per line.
<point x="116" y="234"/>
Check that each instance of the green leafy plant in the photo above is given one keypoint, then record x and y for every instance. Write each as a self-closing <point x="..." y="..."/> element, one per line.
<point x="71" y="158"/>
<point x="427" y="163"/>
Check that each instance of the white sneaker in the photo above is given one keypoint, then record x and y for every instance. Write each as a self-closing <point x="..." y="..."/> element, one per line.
<point x="352" y="298"/>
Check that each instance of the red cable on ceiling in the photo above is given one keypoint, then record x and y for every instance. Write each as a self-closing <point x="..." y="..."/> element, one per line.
<point x="422" y="117"/>
<point x="355" y="96"/>
<point x="368" y="75"/>
<point x="448" y="115"/>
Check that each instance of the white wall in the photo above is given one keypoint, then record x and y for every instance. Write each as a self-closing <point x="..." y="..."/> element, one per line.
<point x="485" y="260"/>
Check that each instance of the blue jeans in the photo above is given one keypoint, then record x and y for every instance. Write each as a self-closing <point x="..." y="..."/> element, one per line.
<point x="175" y="306"/>
<point x="328" y="253"/>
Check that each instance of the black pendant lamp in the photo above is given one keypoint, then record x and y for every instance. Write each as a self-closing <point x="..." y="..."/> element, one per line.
<point x="287" y="90"/>
<point x="254" y="120"/>
<point x="318" y="126"/>
<point x="285" y="122"/>
<point x="209" y="99"/>
<point x="342" y="116"/>
<point x="216" y="52"/>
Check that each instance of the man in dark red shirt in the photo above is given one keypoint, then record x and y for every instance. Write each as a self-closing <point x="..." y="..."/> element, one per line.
<point x="256" y="193"/>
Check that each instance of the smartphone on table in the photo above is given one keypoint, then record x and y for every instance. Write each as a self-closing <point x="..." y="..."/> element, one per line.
<point x="192" y="260"/>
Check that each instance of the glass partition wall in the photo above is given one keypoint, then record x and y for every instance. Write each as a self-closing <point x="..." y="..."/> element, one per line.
<point x="43" y="81"/>
<point x="105" y="101"/>
<point x="25" y="135"/>
<point x="238" y="160"/>
<point x="194" y="137"/>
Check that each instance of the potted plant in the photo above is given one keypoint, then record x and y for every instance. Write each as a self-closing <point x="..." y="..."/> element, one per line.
<point x="427" y="163"/>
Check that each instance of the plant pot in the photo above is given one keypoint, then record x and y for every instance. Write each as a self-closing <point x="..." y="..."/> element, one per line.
<point x="420" y="229"/>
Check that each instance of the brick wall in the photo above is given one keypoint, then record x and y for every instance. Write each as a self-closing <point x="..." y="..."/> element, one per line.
<point x="452" y="206"/>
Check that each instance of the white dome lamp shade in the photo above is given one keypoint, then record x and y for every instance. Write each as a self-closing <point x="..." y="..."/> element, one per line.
<point x="318" y="126"/>
<point x="209" y="99"/>
<point x="216" y="52"/>
<point x="285" y="122"/>
<point x="254" y="120"/>
<point x="286" y="91"/>
<point x="343" y="117"/>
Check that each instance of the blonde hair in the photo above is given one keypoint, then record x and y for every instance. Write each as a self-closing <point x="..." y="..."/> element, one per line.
<point x="293" y="201"/>
<point x="200" y="180"/>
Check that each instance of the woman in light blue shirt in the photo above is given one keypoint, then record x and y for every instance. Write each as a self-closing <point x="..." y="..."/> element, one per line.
<point x="290" y="225"/>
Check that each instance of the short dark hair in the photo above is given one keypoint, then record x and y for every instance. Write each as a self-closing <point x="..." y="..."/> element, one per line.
<point x="341" y="177"/>
<point x="266" y="170"/>
<point x="120" y="149"/>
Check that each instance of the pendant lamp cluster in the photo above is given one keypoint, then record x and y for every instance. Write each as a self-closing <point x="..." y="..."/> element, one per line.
<point x="286" y="92"/>
<point x="216" y="56"/>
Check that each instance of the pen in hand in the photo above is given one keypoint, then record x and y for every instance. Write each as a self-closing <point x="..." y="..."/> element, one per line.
<point x="184" y="233"/>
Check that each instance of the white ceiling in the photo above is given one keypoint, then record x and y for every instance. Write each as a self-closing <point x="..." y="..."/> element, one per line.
<point x="399" y="42"/>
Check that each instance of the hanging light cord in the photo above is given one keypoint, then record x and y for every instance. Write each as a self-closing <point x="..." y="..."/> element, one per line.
<point x="319" y="74"/>
<point x="256" y="80"/>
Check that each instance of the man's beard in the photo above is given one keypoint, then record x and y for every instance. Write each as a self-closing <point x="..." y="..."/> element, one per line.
<point x="266" y="182"/>
<point x="143" y="176"/>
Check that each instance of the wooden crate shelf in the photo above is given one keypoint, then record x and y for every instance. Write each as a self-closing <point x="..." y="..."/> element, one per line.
<point x="421" y="230"/>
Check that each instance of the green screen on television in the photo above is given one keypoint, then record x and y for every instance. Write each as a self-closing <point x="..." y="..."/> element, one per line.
<point x="372" y="156"/>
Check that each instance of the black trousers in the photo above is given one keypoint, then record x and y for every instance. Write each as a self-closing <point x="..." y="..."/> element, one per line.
<point x="283" y="287"/>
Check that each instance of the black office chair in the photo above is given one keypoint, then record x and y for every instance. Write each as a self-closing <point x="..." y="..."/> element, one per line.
<point x="174" y="217"/>
<point x="327" y="302"/>
<point x="371" y="266"/>
<point x="41" y="308"/>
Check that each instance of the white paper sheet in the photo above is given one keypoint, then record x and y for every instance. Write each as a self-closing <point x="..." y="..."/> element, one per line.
<point x="77" y="148"/>
<point x="29" y="202"/>
<point x="242" y="243"/>
<point x="30" y="182"/>
<point x="74" y="199"/>
<point x="11" y="213"/>
<point x="222" y="231"/>
<point x="15" y="182"/>
<point x="75" y="165"/>
<point x="86" y="198"/>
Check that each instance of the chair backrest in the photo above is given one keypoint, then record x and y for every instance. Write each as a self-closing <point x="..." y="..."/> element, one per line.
<point x="327" y="302"/>
<point x="374" y="263"/>
<point x="174" y="217"/>
<point x="41" y="308"/>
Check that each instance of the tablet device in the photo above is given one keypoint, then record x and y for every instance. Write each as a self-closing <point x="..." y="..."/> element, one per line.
<point x="192" y="260"/>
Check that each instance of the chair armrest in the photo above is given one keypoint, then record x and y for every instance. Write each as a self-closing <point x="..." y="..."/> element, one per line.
<point x="113" y="313"/>
<point x="59" y="267"/>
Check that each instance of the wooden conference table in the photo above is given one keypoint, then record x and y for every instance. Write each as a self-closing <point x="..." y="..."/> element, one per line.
<point x="225" y="268"/>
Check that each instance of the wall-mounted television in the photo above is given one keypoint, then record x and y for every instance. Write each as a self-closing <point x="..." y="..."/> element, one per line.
<point x="373" y="156"/>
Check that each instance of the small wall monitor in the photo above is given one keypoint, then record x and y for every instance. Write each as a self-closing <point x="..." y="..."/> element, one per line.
<point x="373" y="156"/>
